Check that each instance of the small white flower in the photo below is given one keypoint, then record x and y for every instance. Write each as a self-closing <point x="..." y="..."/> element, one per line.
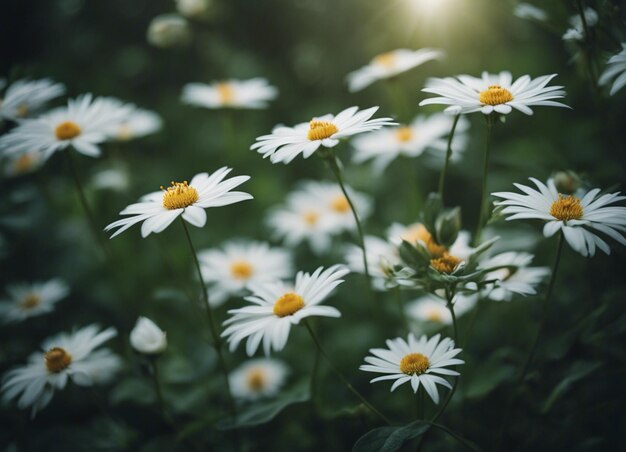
<point x="530" y="12"/>
<point x="24" y="97"/>
<point x="253" y="94"/>
<point x="157" y="210"/>
<point x="83" y="124"/>
<point x="390" y="64"/>
<point x="520" y="278"/>
<point x="576" y="32"/>
<point x="29" y="300"/>
<point x="146" y="337"/>
<point x="18" y="164"/>
<point x="276" y="306"/>
<point x="286" y="143"/>
<point x="381" y="255"/>
<point x="493" y="92"/>
<point x="169" y="30"/>
<point x="136" y="123"/>
<point x="193" y="8"/>
<point x="65" y="357"/>
<point x="431" y="308"/>
<point x="258" y="378"/>
<point x="424" y="133"/>
<point x="419" y="361"/>
<point x="580" y="219"/>
<point x="616" y="71"/>
<point x="113" y="178"/>
<point x="229" y="270"/>
<point x="573" y="34"/>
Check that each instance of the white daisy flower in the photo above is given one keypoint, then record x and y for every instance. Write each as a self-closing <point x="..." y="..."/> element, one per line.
<point x="573" y="34"/>
<point x="194" y="9"/>
<point x="519" y="279"/>
<point x="258" y="378"/>
<point x="254" y="94"/>
<point x="530" y="12"/>
<point x="146" y="337"/>
<point x="65" y="357"/>
<point x="389" y="65"/>
<point x="580" y="218"/>
<point x="229" y="270"/>
<point x="431" y="308"/>
<point x="114" y="178"/>
<point x="576" y="32"/>
<point x="23" y="163"/>
<point x="29" y="300"/>
<point x="157" y="210"/>
<point x="419" y="361"/>
<point x="286" y="143"/>
<point x="381" y="255"/>
<point x="168" y="31"/>
<point x="493" y="92"/>
<point x="277" y="306"/>
<point x="83" y="124"/>
<point x="424" y="133"/>
<point x="615" y="71"/>
<point x="24" y="97"/>
<point x="133" y="122"/>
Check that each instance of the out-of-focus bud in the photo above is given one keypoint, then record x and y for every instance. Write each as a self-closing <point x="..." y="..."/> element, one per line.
<point x="169" y="30"/>
<point x="567" y="182"/>
<point x="148" y="338"/>
<point x="448" y="225"/>
<point x="431" y="212"/>
<point x="194" y="9"/>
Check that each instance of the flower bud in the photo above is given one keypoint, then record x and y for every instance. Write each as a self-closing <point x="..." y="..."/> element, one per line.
<point x="148" y="338"/>
<point x="169" y="30"/>
<point x="567" y="182"/>
<point x="194" y="9"/>
<point x="448" y="225"/>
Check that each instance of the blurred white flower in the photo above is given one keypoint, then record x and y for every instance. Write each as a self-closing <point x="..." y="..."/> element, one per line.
<point x="193" y="9"/>
<point x="380" y="256"/>
<point x="157" y="210"/>
<point x="18" y="164"/>
<point x="390" y="64"/>
<point x="530" y="12"/>
<point x="24" y="97"/>
<point x="493" y="93"/>
<point x="424" y="133"/>
<point x="616" y="71"/>
<point x="580" y="219"/>
<point x="83" y="124"/>
<point x="136" y="124"/>
<point x="229" y="270"/>
<point x="276" y="306"/>
<point x="66" y="357"/>
<point x="577" y="31"/>
<point x="254" y="93"/>
<point x="286" y="143"/>
<point x="518" y="278"/>
<point x="418" y="361"/>
<point x="29" y="300"/>
<point x="169" y="30"/>
<point x="146" y="337"/>
<point x="116" y="179"/>
<point x="431" y="308"/>
<point x="258" y="378"/>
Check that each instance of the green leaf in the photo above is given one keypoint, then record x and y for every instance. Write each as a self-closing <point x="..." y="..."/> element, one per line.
<point x="133" y="390"/>
<point x="577" y="371"/>
<point x="389" y="439"/>
<point x="487" y="378"/>
<point x="263" y="412"/>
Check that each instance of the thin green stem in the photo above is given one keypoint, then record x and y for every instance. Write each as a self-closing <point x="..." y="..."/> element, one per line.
<point x="459" y="438"/>
<point x="588" y="46"/>
<point x="444" y="170"/>
<point x="314" y="375"/>
<point x="455" y="329"/>
<point x="342" y="377"/>
<point x="414" y="194"/>
<point x="483" y="190"/>
<point x="401" y="310"/>
<point x="158" y="391"/>
<point x="421" y="402"/>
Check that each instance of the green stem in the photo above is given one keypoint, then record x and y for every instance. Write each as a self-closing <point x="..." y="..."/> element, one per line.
<point x="483" y="190"/>
<point x="401" y="310"/>
<point x="414" y="193"/>
<point x="459" y="438"/>
<point x="158" y="391"/>
<point x="456" y="338"/>
<point x="442" y="176"/>
<point x="588" y="46"/>
<point x="314" y="375"/>
<point x="217" y="342"/>
<point x="342" y="377"/>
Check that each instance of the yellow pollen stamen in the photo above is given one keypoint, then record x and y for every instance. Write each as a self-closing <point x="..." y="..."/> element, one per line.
<point x="22" y="111"/>
<point x="419" y="233"/>
<point x="30" y="301"/>
<point x="311" y="218"/>
<point x="446" y="263"/>
<point x="179" y="195"/>
<point x="57" y="359"/>
<point x="288" y="304"/>
<point x="566" y="208"/>
<point x="67" y="130"/>
<point x="256" y="380"/>
<point x="387" y="59"/>
<point x="225" y="92"/>
<point x="340" y="204"/>
<point x="404" y="134"/>
<point x="241" y="270"/>
<point x="24" y="163"/>
<point x="414" y="364"/>
<point x="319" y="130"/>
<point x="434" y="315"/>
<point x="495" y="95"/>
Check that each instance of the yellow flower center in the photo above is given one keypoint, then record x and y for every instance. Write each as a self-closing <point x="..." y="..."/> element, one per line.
<point x="67" y="130"/>
<point x="179" y="195"/>
<point x="57" y="359"/>
<point x="446" y="263"/>
<point x="419" y="233"/>
<point x="225" y="92"/>
<point x="387" y="60"/>
<point x="241" y="270"/>
<point x="288" y="304"/>
<point x="30" y="301"/>
<point x="24" y="163"/>
<point x="495" y="95"/>
<point x="414" y="364"/>
<point x="21" y="111"/>
<point x="256" y="380"/>
<point x="566" y="208"/>
<point x="340" y="204"/>
<point x="311" y="217"/>
<point x="404" y="134"/>
<point x="434" y="315"/>
<point x="319" y="130"/>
